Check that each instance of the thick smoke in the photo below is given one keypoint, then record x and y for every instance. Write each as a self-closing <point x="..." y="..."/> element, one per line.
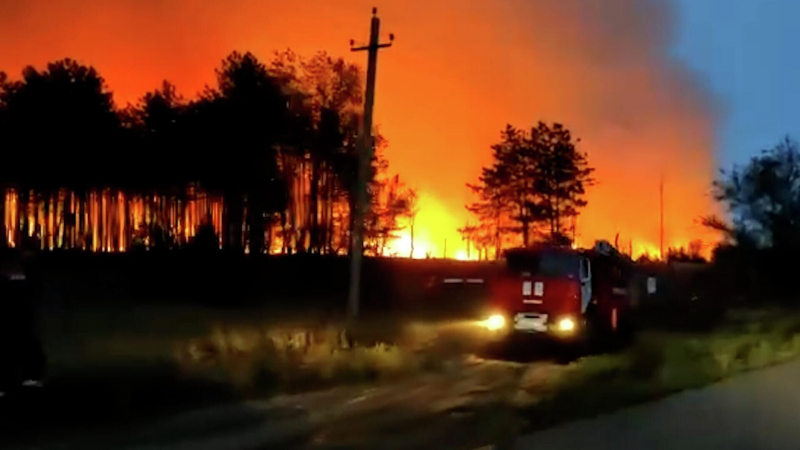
<point x="602" y="68"/>
<point x="459" y="71"/>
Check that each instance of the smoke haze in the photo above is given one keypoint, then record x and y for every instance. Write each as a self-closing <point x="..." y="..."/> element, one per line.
<point x="458" y="72"/>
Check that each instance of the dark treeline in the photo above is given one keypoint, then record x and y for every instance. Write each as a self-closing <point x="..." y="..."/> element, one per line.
<point x="761" y="229"/>
<point x="262" y="161"/>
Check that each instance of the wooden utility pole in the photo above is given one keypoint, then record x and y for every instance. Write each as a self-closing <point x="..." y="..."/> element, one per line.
<point x="364" y="148"/>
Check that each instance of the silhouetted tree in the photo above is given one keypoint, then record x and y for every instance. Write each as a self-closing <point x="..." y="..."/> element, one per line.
<point x="3" y="181"/>
<point x="536" y="178"/>
<point x="60" y="130"/>
<point x="240" y="123"/>
<point x="696" y="249"/>
<point x="392" y="205"/>
<point x="561" y="176"/>
<point x="59" y="126"/>
<point x="206" y="239"/>
<point x="157" y="125"/>
<point x="762" y="199"/>
<point x="505" y="189"/>
<point x="158" y="120"/>
<point x="322" y="162"/>
<point x="275" y="143"/>
<point x="684" y="255"/>
<point x="492" y="213"/>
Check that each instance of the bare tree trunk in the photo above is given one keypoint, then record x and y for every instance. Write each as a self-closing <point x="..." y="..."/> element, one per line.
<point x="313" y="208"/>
<point x="256" y="219"/>
<point x="285" y="249"/>
<point x="303" y="210"/>
<point x="497" y="241"/>
<point x="235" y="216"/>
<point x="323" y="211"/>
<point x="351" y="222"/>
<point x="270" y="225"/>
<point x="525" y="231"/>
<point x="322" y="225"/>
<point x="4" y="213"/>
<point x="330" y="225"/>
<point x="557" y="214"/>
<point x="288" y="176"/>
<point x="326" y="211"/>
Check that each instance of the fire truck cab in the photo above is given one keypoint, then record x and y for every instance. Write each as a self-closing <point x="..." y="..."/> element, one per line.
<point x="561" y="292"/>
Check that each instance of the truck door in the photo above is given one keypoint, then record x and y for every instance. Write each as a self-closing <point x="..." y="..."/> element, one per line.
<point x="586" y="283"/>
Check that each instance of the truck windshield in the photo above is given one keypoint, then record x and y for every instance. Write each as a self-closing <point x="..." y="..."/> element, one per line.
<point x="550" y="264"/>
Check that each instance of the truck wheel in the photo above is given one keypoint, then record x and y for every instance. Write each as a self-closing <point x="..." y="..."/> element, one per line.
<point x="627" y="329"/>
<point x="595" y="332"/>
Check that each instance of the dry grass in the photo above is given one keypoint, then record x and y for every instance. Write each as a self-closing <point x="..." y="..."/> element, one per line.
<point x="185" y="359"/>
<point x="261" y="359"/>
<point x="144" y="363"/>
<point x="657" y="364"/>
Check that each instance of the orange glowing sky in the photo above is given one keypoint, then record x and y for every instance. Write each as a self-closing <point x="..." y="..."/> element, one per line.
<point x="459" y="71"/>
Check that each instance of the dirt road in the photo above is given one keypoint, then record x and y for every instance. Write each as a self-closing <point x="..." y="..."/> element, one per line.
<point x="758" y="410"/>
<point x="429" y="410"/>
<point x="474" y="403"/>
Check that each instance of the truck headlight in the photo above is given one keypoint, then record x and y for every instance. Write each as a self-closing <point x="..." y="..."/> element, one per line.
<point x="566" y="324"/>
<point x="495" y="322"/>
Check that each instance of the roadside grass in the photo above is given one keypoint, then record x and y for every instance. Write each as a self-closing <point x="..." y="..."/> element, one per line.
<point x="133" y="367"/>
<point x="261" y="360"/>
<point x="148" y="362"/>
<point x="657" y="364"/>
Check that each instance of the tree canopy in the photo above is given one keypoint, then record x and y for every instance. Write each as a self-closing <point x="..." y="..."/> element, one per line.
<point x="762" y="199"/>
<point x="57" y="126"/>
<point x="534" y="186"/>
<point x="267" y="154"/>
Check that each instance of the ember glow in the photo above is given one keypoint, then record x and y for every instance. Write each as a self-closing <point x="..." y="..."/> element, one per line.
<point x="104" y="222"/>
<point x="458" y="73"/>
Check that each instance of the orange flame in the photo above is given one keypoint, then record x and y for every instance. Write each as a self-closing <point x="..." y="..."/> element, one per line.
<point x="458" y="73"/>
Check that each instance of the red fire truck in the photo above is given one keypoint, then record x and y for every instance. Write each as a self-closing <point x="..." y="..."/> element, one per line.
<point x="561" y="292"/>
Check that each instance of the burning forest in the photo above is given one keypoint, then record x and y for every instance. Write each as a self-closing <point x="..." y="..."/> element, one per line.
<point x="607" y="74"/>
